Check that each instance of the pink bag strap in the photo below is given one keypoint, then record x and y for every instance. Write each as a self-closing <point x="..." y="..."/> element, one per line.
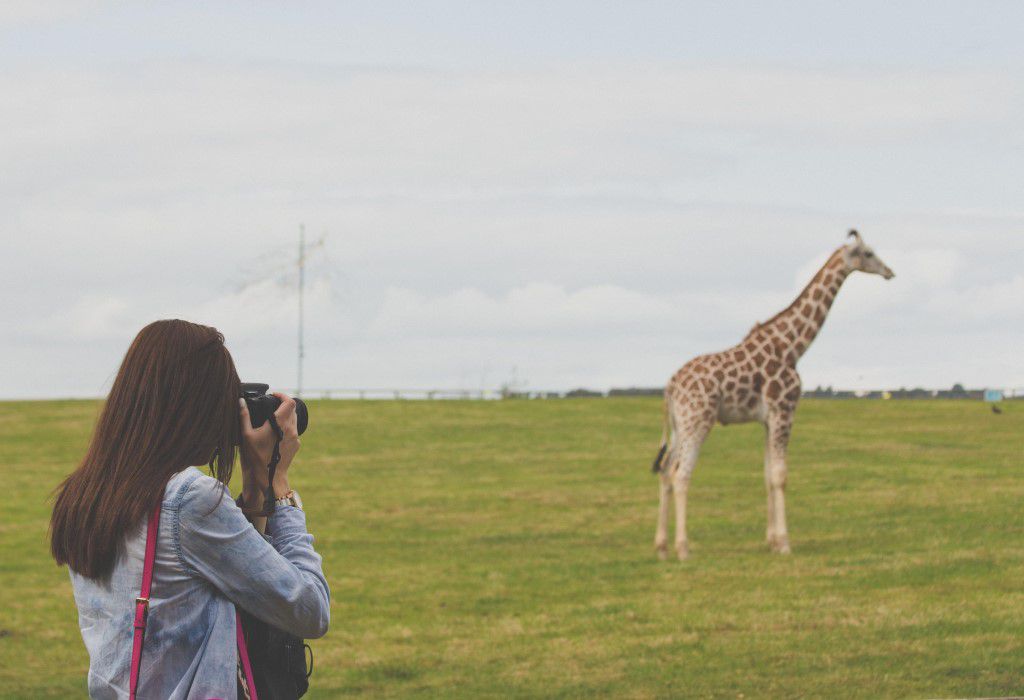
<point x="142" y="614"/>
<point x="243" y="656"/>
<point x="142" y="602"/>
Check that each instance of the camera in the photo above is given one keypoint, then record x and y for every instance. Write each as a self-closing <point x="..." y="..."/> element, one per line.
<point x="261" y="405"/>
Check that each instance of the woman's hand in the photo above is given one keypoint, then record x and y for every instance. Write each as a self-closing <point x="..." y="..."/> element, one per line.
<point x="258" y="447"/>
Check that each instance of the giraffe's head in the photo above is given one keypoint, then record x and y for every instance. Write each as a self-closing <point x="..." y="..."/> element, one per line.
<point x="858" y="256"/>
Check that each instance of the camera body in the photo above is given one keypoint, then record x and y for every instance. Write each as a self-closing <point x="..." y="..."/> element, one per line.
<point x="261" y="405"/>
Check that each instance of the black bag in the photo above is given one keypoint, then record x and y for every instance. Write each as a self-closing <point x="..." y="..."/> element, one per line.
<point x="278" y="660"/>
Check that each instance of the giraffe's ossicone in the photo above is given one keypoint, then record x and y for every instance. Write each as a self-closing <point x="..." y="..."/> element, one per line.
<point x="756" y="380"/>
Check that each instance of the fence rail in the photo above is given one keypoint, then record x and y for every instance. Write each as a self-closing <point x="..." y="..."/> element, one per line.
<point x="418" y="394"/>
<point x="402" y="394"/>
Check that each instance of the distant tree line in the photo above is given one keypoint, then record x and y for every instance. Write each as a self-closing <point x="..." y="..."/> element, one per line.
<point x="956" y="392"/>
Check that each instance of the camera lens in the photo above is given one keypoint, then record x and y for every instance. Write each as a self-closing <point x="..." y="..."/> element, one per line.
<point x="302" y="415"/>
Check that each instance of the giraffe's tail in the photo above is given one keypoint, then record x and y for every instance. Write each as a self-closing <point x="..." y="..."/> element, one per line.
<point x="666" y="434"/>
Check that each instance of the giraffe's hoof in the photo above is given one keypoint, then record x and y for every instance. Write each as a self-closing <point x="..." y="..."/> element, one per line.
<point x="781" y="545"/>
<point x="662" y="551"/>
<point x="682" y="550"/>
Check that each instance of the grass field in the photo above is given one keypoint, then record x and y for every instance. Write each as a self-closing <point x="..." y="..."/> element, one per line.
<point x="482" y="549"/>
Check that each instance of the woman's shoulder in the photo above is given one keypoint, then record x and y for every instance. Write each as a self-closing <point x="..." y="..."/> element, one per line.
<point x="191" y="488"/>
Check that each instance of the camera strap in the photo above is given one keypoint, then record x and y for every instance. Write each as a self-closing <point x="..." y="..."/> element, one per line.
<point x="275" y="457"/>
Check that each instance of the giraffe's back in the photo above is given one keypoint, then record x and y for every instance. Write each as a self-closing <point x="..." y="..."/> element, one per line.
<point x="731" y="386"/>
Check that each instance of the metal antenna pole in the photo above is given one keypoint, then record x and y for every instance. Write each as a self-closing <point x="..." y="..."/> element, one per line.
<point x="302" y="290"/>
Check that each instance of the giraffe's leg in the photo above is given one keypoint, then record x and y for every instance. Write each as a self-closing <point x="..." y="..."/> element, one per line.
<point x="686" y="461"/>
<point x="770" y="531"/>
<point x="680" y="488"/>
<point x="668" y="467"/>
<point x="665" y="490"/>
<point x="778" y="440"/>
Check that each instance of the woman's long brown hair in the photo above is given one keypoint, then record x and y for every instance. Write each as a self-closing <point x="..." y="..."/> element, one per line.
<point x="173" y="404"/>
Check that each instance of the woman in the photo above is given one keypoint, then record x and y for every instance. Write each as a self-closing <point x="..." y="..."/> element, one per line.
<point x="175" y="403"/>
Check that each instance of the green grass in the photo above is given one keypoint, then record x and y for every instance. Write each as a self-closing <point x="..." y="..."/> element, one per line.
<point x="506" y="549"/>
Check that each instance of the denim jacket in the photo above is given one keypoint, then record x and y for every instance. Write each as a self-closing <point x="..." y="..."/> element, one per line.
<point x="208" y="558"/>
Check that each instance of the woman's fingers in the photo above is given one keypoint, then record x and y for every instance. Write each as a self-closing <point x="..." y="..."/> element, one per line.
<point x="287" y="404"/>
<point x="253" y="439"/>
<point x="285" y="415"/>
<point x="247" y="430"/>
<point x="243" y="410"/>
<point x="259" y="442"/>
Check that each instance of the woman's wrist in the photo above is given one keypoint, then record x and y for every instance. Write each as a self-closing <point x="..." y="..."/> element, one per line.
<point x="252" y="497"/>
<point x="281" y="487"/>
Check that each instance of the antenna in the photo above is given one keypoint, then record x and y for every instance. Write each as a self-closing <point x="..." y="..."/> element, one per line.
<point x="302" y="311"/>
<point x="268" y="267"/>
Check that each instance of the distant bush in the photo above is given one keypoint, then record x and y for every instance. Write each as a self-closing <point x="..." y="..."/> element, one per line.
<point x="637" y="391"/>
<point x="583" y="394"/>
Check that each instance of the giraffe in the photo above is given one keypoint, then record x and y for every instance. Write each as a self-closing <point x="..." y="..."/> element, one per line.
<point x="756" y="380"/>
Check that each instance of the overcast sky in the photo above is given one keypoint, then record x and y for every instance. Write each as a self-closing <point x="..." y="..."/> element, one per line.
<point x="574" y="194"/>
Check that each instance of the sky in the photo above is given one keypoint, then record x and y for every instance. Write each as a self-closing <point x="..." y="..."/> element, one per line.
<point x="548" y="194"/>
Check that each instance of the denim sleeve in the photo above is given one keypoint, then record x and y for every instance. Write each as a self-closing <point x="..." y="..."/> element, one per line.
<point x="280" y="581"/>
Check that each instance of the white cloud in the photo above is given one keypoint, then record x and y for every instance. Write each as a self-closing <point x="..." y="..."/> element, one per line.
<point x="15" y="13"/>
<point x="261" y="309"/>
<point x="135" y="132"/>
<point x="90" y="317"/>
<point x="534" y="308"/>
<point x="590" y="222"/>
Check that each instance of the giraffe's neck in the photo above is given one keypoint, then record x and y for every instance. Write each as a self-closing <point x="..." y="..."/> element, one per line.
<point x="798" y="325"/>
